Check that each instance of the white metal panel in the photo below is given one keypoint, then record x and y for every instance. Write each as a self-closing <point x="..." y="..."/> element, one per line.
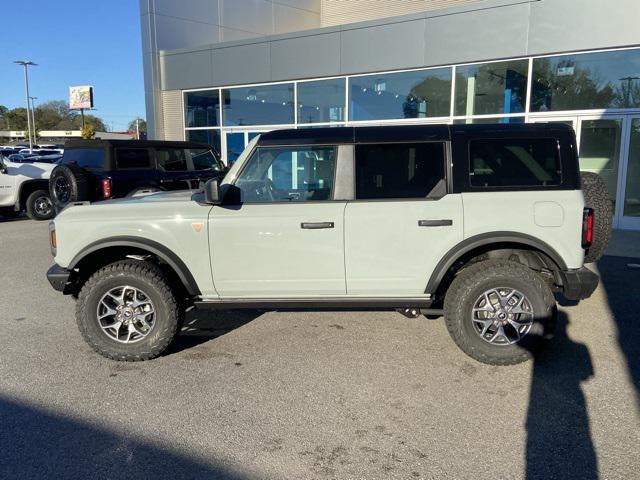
<point x="339" y="12"/>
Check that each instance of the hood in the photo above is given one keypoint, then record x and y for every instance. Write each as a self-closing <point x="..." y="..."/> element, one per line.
<point x="157" y="197"/>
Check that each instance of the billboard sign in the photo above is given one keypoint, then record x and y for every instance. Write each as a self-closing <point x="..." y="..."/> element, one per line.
<point x="81" y="97"/>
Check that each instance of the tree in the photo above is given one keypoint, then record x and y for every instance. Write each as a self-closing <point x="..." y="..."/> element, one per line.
<point x="88" y="132"/>
<point x="142" y="125"/>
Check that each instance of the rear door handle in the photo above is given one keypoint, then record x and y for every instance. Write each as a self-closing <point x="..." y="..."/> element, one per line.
<point x="435" y="223"/>
<point x="316" y="225"/>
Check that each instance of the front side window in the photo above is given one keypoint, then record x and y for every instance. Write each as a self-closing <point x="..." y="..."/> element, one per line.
<point x="288" y="174"/>
<point x="514" y="162"/>
<point x="171" y="159"/>
<point x="204" y="159"/>
<point x="91" y="158"/>
<point x="132" y="158"/>
<point x="403" y="170"/>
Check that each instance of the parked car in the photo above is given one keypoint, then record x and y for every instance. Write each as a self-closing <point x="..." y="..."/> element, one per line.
<point x="93" y="170"/>
<point x="481" y="223"/>
<point x="25" y="187"/>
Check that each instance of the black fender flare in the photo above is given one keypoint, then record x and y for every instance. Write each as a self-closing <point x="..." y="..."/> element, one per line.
<point x="155" y="248"/>
<point x="483" y="239"/>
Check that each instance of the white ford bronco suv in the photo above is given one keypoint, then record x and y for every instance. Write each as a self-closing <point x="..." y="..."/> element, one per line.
<point x="479" y="223"/>
<point x="25" y="186"/>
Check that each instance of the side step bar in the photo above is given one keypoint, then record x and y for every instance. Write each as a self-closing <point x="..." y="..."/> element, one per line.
<point x="422" y="304"/>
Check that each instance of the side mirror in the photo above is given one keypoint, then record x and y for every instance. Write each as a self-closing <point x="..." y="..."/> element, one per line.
<point x="212" y="192"/>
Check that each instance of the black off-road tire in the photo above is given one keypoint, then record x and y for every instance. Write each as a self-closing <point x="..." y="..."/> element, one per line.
<point x="35" y="208"/>
<point x="76" y="181"/>
<point x="470" y="284"/>
<point x="596" y="196"/>
<point x="138" y="274"/>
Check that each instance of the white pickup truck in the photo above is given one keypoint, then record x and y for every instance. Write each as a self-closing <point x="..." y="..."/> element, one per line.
<point x="25" y="186"/>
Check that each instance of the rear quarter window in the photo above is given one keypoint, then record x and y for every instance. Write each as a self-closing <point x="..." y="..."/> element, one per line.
<point x="515" y="162"/>
<point x="89" y="158"/>
<point x="132" y="158"/>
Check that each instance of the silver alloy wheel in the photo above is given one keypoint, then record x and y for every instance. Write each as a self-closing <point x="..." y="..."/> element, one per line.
<point x="502" y="316"/>
<point x="42" y="206"/>
<point x="126" y="314"/>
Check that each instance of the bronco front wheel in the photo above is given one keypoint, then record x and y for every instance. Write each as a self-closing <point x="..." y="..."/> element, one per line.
<point x="126" y="311"/>
<point x="499" y="312"/>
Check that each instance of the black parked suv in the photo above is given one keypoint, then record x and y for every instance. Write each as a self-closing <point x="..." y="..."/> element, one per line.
<point x="93" y="170"/>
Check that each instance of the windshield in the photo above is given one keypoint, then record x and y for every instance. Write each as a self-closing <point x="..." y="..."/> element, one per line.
<point x="204" y="159"/>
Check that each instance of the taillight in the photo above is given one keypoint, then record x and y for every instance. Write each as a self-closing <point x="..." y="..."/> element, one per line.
<point x="587" y="227"/>
<point x="106" y="188"/>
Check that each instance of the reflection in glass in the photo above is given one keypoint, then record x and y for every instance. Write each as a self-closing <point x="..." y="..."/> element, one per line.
<point x="261" y="105"/>
<point x="321" y="101"/>
<point x="590" y="80"/>
<point x="632" y="190"/>
<point x="490" y="120"/>
<point x="491" y="88"/>
<point x="235" y="146"/>
<point x="202" y="109"/>
<point x="210" y="137"/>
<point x="417" y="94"/>
<point x="600" y="150"/>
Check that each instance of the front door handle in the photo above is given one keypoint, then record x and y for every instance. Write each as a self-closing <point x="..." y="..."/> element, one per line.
<point x="435" y="223"/>
<point x="316" y="225"/>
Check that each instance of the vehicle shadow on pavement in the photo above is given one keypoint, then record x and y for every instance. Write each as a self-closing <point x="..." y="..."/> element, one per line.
<point x="35" y="443"/>
<point x="559" y="443"/>
<point x="200" y="326"/>
<point x="622" y="286"/>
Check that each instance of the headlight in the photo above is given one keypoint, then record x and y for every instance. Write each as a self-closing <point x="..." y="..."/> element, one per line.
<point x="52" y="238"/>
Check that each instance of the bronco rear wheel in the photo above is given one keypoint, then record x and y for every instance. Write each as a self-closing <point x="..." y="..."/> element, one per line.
<point x="499" y="312"/>
<point x="126" y="311"/>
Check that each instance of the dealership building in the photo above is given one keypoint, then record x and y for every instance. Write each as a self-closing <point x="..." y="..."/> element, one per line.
<point x="221" y="71"/>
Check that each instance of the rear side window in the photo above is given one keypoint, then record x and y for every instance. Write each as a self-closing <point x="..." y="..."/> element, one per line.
<point x="90" y="158"/>
<point x="515" y="162"/>
<point x="171" y="159"/>
<point x="403" y="170"/>
<point x="128" y="158"/>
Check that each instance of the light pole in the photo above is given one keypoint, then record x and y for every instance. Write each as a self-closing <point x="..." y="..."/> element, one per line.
<point x="33" y="117"/>
<point x="25" y="64"/>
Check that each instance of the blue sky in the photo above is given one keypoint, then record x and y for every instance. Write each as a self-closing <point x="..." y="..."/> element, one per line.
<point x="74" y="43"/>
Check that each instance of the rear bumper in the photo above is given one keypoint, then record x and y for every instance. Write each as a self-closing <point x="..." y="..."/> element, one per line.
<point x="60" y="278"/>
<point x="579" y="284"/>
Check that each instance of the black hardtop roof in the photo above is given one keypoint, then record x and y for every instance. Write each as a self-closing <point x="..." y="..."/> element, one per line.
<point x="399" y="133"/>
<point x="99" y="143"/>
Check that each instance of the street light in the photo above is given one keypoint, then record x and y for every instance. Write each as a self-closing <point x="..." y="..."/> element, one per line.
<point x="26" y="64"/>
<point x="33" y="117"/>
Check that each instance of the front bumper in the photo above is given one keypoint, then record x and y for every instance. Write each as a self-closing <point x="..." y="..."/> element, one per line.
<point x="60" y="278"/>
<point x="579" y="284"/>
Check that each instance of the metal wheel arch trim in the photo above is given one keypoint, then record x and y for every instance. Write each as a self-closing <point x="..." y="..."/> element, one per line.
<point x="484" y="239"/>
<point x="155" y="248"/>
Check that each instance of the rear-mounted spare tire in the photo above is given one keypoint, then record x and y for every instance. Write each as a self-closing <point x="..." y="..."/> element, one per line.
<point x="67" y="184"/>
<point x="596" y="196"/>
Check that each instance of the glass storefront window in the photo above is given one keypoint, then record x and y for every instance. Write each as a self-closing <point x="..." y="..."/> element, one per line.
<point x="632" y="190"/>
<point x="260" y="105"/>
<point x="491" y="88"/>
<point x="417" y="94"/>
<point x="586" y="81"/>
<point x="202" y="109"/>
<point x="210" y="137"/>
<point x="600" y="142"/>
<point x="321" y="101"/>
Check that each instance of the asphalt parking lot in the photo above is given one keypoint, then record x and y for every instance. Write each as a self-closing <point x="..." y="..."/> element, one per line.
<point x="356" y="395"/>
